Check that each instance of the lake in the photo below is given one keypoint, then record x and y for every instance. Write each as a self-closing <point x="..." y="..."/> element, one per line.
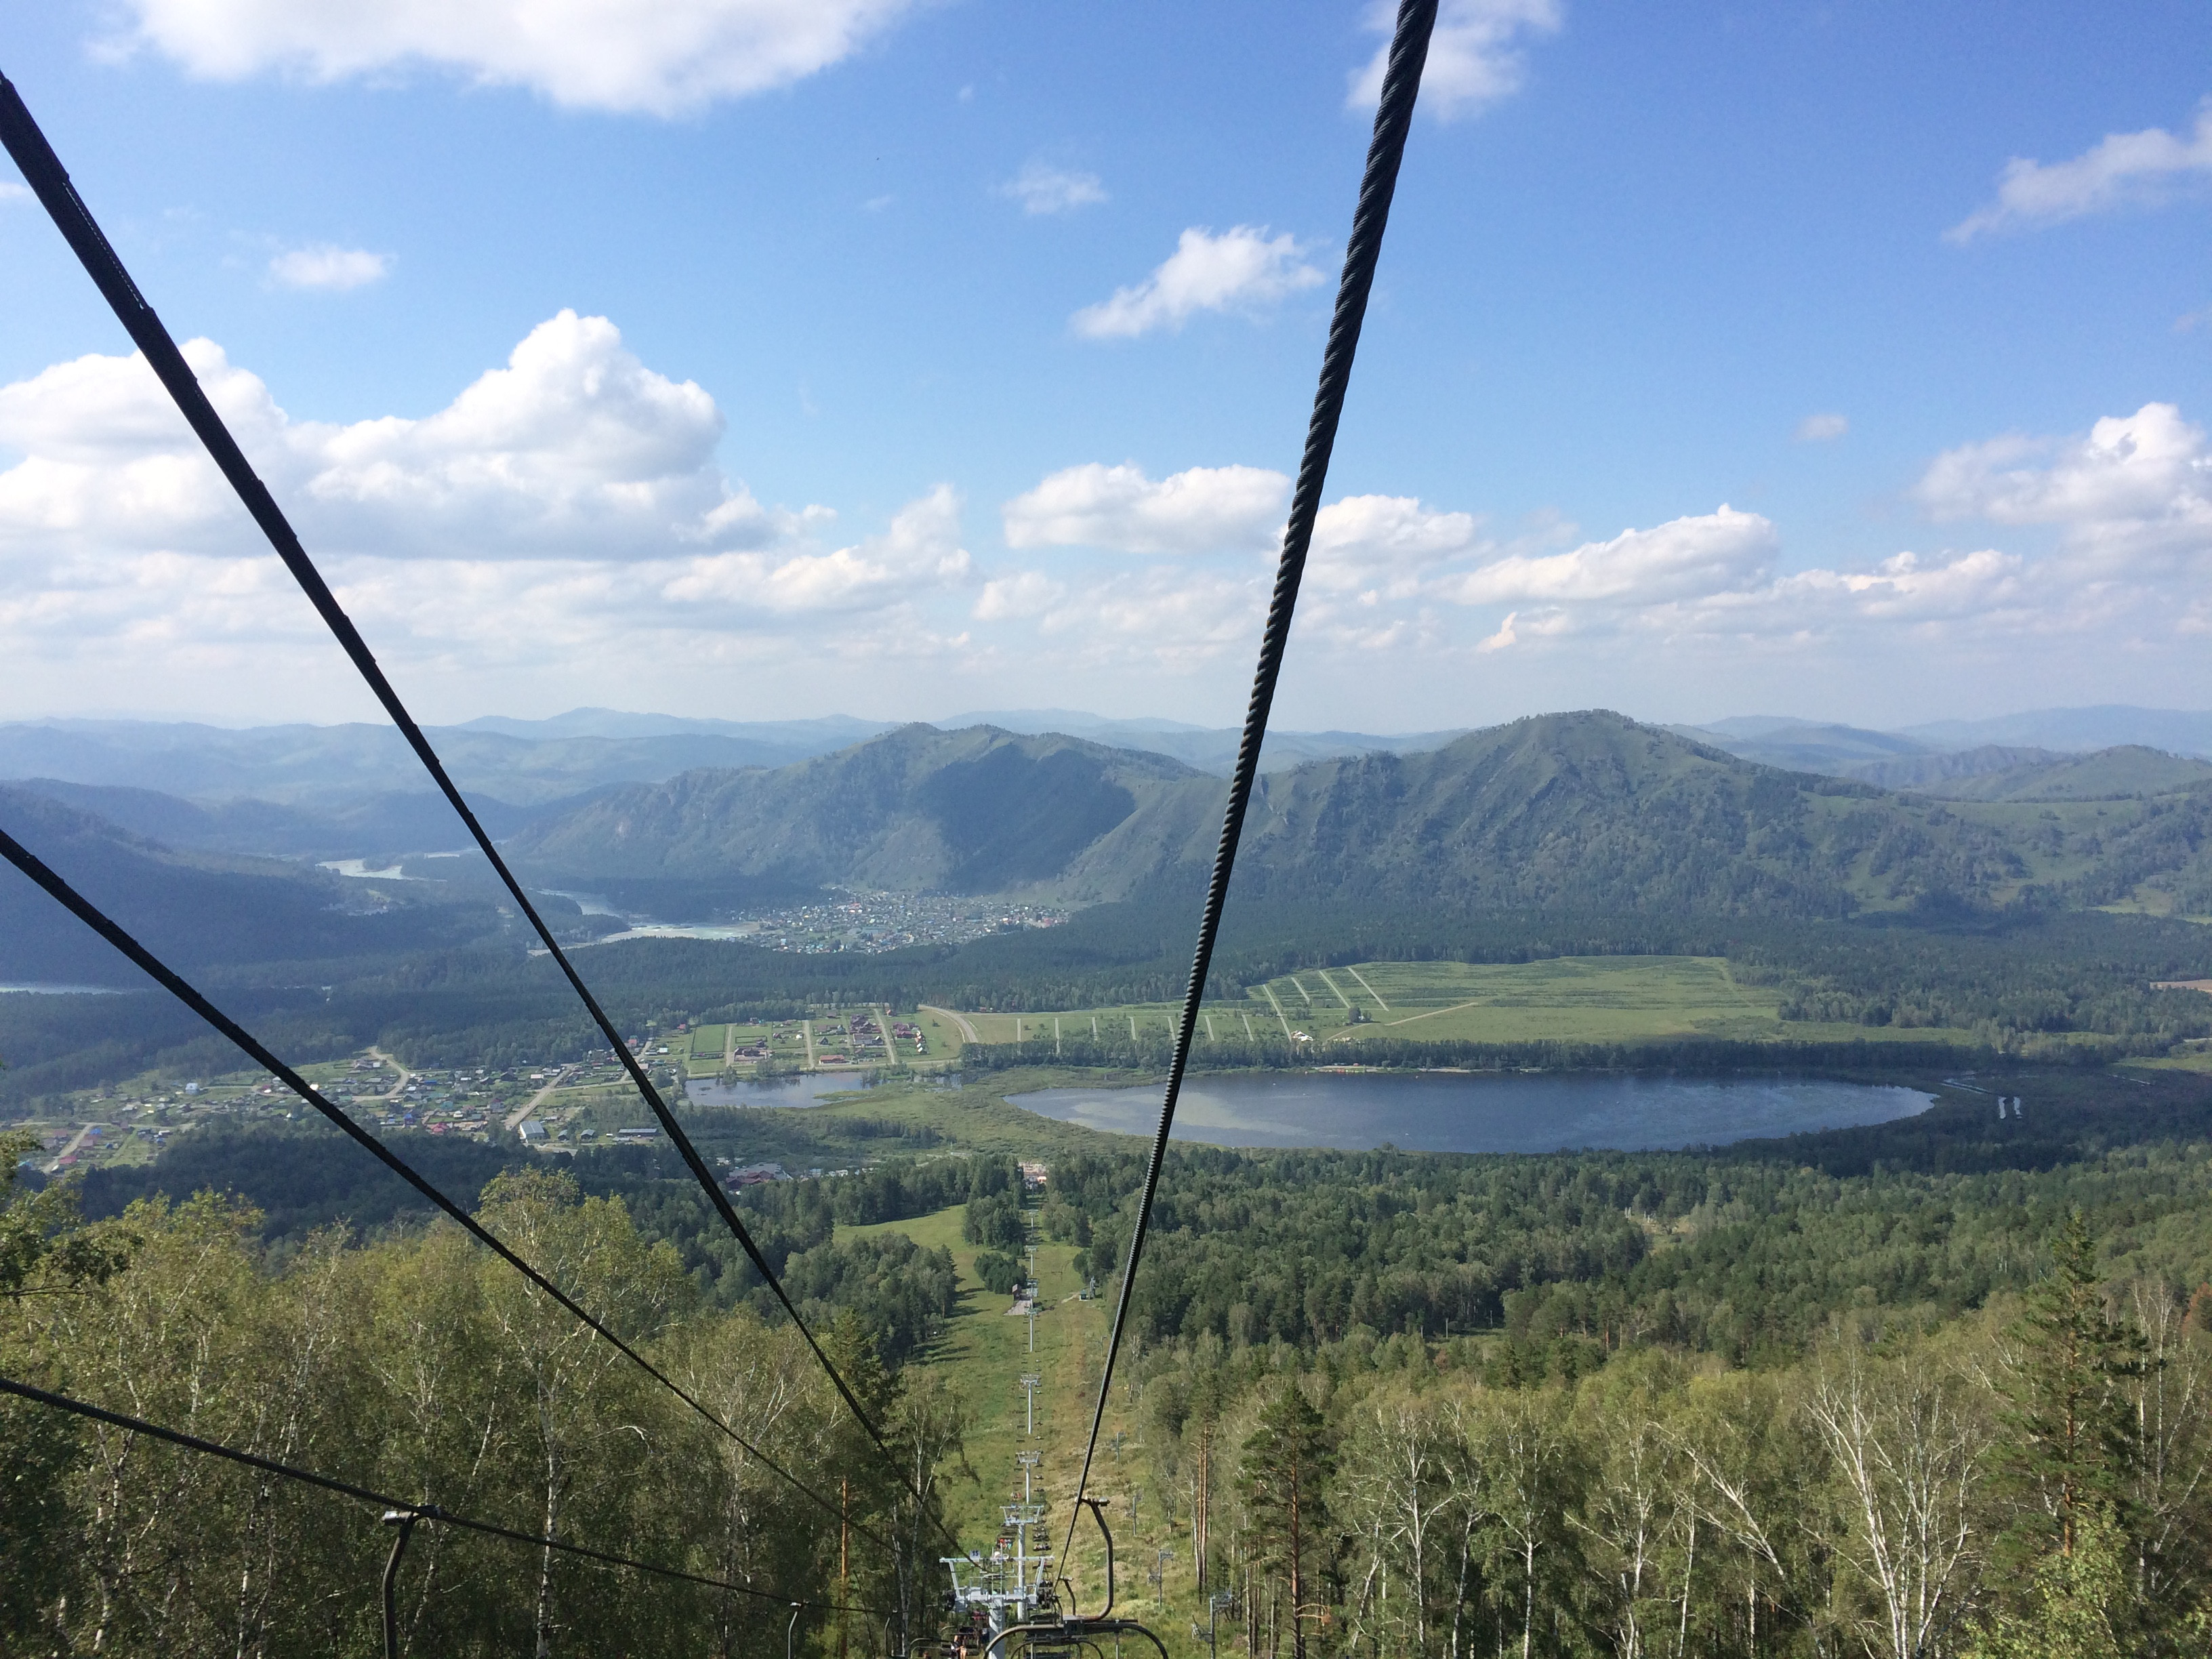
<point x="805" y="1088"/>
<point x="1433" y="1113"/>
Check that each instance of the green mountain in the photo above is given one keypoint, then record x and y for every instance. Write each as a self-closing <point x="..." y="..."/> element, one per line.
<point x="1588" y="812"/>
<point x="196" y="910"/>
<point x="977" y="811"/>
<point x="2118" y="773"/>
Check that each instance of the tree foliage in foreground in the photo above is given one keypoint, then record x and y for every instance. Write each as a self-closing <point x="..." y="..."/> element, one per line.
<point x="422" y="1367"/>
<point x="1889" y="1495"/>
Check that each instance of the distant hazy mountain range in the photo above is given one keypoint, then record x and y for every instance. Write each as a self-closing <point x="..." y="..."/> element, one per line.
<point x="1591" y="809"/>
<point x="1932" y="755"/>
<point x="1586" y="812"/>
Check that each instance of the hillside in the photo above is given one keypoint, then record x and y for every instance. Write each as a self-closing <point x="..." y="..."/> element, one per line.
<point x="2115" y="773"/>
<point x="194" y="909"/>
<point x="1594" y="812"/>
<point x="977" y="811"/>
<point x="1587" y="812"/>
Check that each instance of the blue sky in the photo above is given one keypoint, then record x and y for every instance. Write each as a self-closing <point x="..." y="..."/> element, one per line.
<point x="1848" y="360"/>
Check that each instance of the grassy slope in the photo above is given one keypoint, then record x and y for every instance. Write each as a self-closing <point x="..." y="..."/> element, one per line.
<point x="987" y="1352"/>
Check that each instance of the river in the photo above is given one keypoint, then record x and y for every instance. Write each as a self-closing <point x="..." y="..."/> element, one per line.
<point x="1459" y="1113"/>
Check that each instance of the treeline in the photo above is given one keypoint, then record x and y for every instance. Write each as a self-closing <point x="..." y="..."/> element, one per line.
<point x="2036" y="1485"/>
<point x="1744" y="1254"/>
<point x="421" y="1366"/>
<point x="297" y="1182"/>
<point x="2023" y="981"/>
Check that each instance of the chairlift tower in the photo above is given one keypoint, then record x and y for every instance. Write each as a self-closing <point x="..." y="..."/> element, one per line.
<point x="1007" y="1589"/>
<point x="1032" y="1383"/>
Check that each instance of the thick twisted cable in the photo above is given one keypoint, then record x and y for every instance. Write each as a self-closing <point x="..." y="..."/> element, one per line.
<point x="61" y="1402"/>
<point x="1394" y="115"/>
<point x="85" y="911"/>
<point x="42" y="170"/>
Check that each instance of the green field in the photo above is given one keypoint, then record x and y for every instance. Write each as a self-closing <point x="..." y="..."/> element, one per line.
<point x="1563" y="998"/>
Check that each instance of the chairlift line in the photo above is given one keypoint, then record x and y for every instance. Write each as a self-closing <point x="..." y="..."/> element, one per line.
<point x="30" y="864"/>
<point x="43" y="171"/>
<point x="1394" y="116"/>
<point x="425" y="1512"/>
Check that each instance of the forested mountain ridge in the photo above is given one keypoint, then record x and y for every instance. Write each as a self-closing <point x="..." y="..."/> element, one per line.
<point x="1587" y="811"/>
<point x="193" y="908"/>
<point x="978" y="809"/>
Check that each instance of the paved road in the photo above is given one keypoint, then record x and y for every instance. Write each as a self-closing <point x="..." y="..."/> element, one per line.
<point x="516" y="1118"/>
<point x="76" y="1141"/>
<point x="403" y="1073"/>
<point x="967" y="1032"/>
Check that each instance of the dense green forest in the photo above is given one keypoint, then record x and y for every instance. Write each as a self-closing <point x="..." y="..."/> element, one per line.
<point x="1936" y="1387"/>
<point x="418" y="1365"/>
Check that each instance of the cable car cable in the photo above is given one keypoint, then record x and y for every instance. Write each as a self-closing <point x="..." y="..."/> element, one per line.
<point x="1394" y="115"/>
<point x="30" y="864"/>
<point x="43" y="171"/>
<point x="63" y="1403"/>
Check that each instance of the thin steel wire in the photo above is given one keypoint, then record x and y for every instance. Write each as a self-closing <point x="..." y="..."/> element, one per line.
<point x="43" y="171"/>
<point x="85" y="911"/>
<point x="1394" y="115"/>
<point x="83" y="1408"/>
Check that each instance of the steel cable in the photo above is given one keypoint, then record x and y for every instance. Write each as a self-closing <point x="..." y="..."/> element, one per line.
<point x="43" y="171"/>
<point x="1394" y="115"/>
<point x="425" y="1511"/>
<point x="85" y="911"/>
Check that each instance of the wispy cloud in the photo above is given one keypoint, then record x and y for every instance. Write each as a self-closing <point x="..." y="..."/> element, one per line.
<point x="12" y="191"/>
<point x="1041" y="188"/>
<point x="2125" y="169"/>
<point x="1821" y="429"/>
<point x="1476" y="55"/>
<point x="332" y="270"/>
<point x="1242" y="269"/>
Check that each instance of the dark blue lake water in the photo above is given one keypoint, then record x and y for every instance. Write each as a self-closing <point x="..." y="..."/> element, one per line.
<point x="1434" y="1113"/>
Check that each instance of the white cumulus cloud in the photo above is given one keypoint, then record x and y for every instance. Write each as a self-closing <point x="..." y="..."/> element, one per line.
<point x="2137" y="487"/>
<point x="1476" y="55"/>
<point x="1041" y="188"/>
<point x="1242" y="269"/>
<point x="1025" y="594"/>
<point x="1205" y="509"/>
<point x="1708" y="553"/>
<point x="2124" y="169"/>
<point x="575" y="449"/>
<point x="1383" y="545"/>
<point x="332" y="268"/>
<point x="1821" y="429"/>
<point x="921" y="550"/>
<point x="12" y="191"/>
<point x="654" y="57"/>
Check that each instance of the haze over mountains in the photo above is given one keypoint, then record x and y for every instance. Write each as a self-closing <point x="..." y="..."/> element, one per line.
<point x="1590" y="811"/>
<point x="1587" y="811"/>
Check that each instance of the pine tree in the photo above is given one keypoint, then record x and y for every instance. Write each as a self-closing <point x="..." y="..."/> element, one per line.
<point x="2070" y="1445"/>
<point x="1288" y="1463"/>
<point x="2073" y="1436"/>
